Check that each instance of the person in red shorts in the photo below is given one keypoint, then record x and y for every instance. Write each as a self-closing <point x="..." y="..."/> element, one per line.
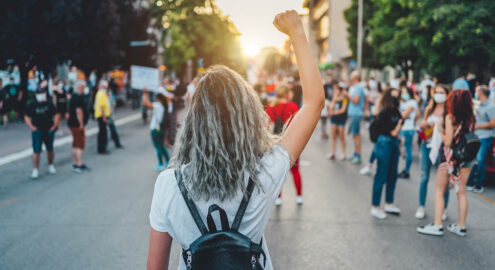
<point x="281" y="112"/>
<point x="78" y="118"/>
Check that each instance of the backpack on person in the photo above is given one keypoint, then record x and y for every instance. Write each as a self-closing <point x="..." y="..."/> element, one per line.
<point x="279" y="121"/>
<point x="467" y="148"/>
<point x="374" y="129"/>
<point x="227" y="249"/>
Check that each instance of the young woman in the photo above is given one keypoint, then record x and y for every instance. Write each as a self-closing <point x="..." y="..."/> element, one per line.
<point x="338" y="116"/>
<point x="60" y="99"/>
<point x="386" y="151"/>
<point x="284" y="110"/>
<point x="434" y="113"/>
<point x="158" y="125"/>
<point x="223" y="143"/>
<point x="377" y="107"/>
<point x="408" y="109"/>
<point x="459" y="120"/>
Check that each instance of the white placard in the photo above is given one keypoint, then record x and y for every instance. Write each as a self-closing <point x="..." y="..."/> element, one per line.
<point x="144" y="77"/>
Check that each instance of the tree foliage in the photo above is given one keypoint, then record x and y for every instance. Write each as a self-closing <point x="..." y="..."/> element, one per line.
<point x="198" y="30"/>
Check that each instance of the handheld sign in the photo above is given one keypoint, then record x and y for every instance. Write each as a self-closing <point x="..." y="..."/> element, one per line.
<point x="144" y="77"/>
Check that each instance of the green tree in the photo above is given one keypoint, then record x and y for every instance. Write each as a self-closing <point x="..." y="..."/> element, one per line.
<point x="198" y="30"/>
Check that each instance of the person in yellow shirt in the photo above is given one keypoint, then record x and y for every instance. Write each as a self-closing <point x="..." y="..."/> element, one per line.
<point x="102" y="112"/>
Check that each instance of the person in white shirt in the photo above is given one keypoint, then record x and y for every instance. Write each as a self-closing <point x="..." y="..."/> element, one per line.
<point x="223" y="144"/>
<point x="423" y="89"/>
<point x="408" y="109"/>
<point x="191" y="88"/>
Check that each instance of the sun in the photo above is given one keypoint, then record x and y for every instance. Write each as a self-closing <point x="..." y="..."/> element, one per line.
<point x="249" y="47"/>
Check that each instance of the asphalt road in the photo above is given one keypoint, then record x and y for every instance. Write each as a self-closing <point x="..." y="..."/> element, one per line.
<point x="99" y="220"/>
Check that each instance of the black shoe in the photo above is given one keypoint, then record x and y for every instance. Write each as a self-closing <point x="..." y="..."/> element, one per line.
<point x="76" y="169"/>
<point x="404" y="175"/>
<point x="84" y="168"/>
<point x="120" y="146"/>
<point x="104" y="153"/>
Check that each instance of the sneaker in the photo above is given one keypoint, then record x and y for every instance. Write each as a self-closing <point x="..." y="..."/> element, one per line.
<point x="342" y="158"/>
<point x="76" y="169"/>
<point x="444" y="216"/>
<point x="159" y="167"/>
<point x="356" y="160"/>
<point x="84" y="168"/>
<point x="51" y="169"/>
<point x="299" y="200"/>
<point x="378" y="213"/>
<point x="456" y="229"/>
<point x="366" y="170"/>
<point x="278" y="202"/>
<point x="331" y="156"/>
<point x="431" y="229"/>
<point x="478" y="189"/>
<point x="392" y="209"/>
<point x="404" y="175"/>
<point x="420" y="213"/>
<point x="35" y="174"/>
<point x="469" y="188"/>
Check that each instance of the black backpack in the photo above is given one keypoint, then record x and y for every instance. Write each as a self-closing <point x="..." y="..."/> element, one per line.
<point x="279" y="121"/>
<point x="374" y="129"/>
<point x="226" y="249"/>
<point x="467" y="148"/>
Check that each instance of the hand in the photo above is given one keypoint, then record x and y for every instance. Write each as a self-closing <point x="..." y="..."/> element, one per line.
<point x="33" y="129"/>
<point x="53" y="128"/>
<point x="289" y="23"/>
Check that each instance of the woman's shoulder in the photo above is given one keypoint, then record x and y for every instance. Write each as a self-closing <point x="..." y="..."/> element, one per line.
<point x="165" y="181"/>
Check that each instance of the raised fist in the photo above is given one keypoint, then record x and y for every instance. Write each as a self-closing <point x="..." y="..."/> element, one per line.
<point x="289" y="23"/>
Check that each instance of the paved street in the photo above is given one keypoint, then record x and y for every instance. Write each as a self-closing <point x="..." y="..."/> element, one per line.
<point x="100" y="220"/>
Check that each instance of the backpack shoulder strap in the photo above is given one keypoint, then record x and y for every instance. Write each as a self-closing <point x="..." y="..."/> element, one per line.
<point x="190" y="204"/>
<point x="243" y="206"/>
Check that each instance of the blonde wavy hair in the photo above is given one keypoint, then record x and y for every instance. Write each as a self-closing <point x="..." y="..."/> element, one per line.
<point x="223" y="137"/>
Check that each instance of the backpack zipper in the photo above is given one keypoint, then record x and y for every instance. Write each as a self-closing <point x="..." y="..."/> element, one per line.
<point x="253" y="262"/>
<point x="189" y="259"/>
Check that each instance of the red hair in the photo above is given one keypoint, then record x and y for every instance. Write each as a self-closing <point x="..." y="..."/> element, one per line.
<point x="460" y="105"/>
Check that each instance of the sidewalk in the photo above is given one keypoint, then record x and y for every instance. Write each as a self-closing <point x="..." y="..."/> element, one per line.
<point x="17" y="136"/>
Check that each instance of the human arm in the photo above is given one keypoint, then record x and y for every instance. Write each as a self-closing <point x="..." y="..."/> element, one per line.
<point x="28" y="122"/>
<point x="489" y="125"/>
<point x="146" y="102"/>
<point x="356" y="99"/>
<point x="396" y="130"/>
<point x="343" y="108"/>
<point x="447" y="134"/>
<point x="56" y="122"/>
<point x="159" y="250"/>
<point x="80" y="117"/>
<point x="302" y="126"/>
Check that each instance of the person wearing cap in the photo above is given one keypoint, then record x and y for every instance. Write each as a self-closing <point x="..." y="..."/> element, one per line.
<point x="43" y="120"/>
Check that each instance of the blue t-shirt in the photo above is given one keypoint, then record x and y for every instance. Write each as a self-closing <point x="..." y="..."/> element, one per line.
<point x="356" y="109"/>
<point x="460" y="83"/>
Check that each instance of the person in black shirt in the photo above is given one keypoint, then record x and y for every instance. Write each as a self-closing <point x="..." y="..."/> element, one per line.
<point x="13" y="97"/>
<point x="3" y="104"/>
<point x="78" y="118"/>
<point x="386" y="151"/>
<point x="43" y="119"/>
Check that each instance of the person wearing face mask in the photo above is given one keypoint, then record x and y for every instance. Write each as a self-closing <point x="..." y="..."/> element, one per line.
<point x="433" y="115"/>
<point x="386" y="151"/>
<point x="60" y="100"/>
<point x="484" y="129"/>
<point x="43" y="119"/>
<point x="408" y="109"/>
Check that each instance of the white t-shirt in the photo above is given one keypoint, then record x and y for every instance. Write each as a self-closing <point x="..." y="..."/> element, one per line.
<point x="409" y="122"/>
<point x="156" y="115"/>
<point x="169" y="212"/>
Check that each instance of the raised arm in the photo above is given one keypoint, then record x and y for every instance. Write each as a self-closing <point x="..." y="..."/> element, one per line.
<point x="299" y="131"/>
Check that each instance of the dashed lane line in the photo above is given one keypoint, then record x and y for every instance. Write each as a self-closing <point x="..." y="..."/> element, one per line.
<point x="64" y="140"/>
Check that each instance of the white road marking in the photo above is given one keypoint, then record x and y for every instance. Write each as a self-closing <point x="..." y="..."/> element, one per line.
<point x="64" y="140"/>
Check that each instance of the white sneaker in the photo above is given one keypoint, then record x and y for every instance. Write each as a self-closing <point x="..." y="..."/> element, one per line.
<point x="51" y="169"/>
<point x="430" y="229"/>
<point x="444" y="216"/>
<point x="278" y="202"/>
<point x="299" y="200"/>
<point x="392" y="209"/>
<point x="378" y="213"/>
<point x="366" y="170"/>
<point x="420" y="213"/>
<point x="342" y="158"/>
<point x="35" y="174"/>
<point x="456" y="229"/>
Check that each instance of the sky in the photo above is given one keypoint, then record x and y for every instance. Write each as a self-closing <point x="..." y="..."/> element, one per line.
<point x="254" y="19"/>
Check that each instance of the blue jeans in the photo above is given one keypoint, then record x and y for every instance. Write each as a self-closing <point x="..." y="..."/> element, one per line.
<point x="408" y="140"/>
<point x="486" y="144"/>
<point x="425" y="166"/>
<point x="387" y="154"/>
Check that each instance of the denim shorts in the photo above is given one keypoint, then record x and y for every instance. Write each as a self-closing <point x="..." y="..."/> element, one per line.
<point x="42" y="137"/>
<point x="354" y="124"/>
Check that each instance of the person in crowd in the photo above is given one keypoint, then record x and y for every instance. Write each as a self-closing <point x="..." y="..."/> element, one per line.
<point x="282" y="111"/>
<point x="472" y="82"/>
<point x="425" y="84"/>
<point x="60" y="100"/>
<point x="216" y="168"/>
<point x="4" y="112"/>
<point x="433" y="115"/>
<point x="491" y="86"/>
<point x="485" y="130"/>
<point x="338" y="116"/>
<point x="13" y="97"/>
<point x="461" y="83"/>
<point x="409" y="110"/>
<point x="101" y="113"/>
<point x="167" y="89"/>
<point x="158" y="125"/>
<point x="114" y="135"/>
<point x="458" y="121"/>
<point x="191" y="88"/>
<point x="260" y="90"/>
<point x="355" y="111"/>
<point x="324" y="119"/>
<point x="77" y="120"/>
<point x="297" y="91"/>
<point x="386" y="151"/>
<point x="43" y="119"/>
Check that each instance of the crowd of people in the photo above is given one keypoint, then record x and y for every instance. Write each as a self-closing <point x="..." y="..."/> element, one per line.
<point x="400" y="114"/>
